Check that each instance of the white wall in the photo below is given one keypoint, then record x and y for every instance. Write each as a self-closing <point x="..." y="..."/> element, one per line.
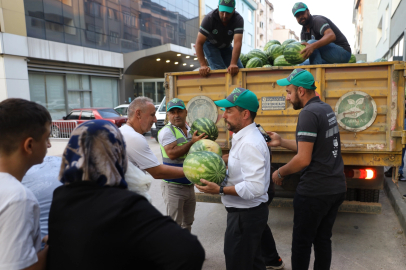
<point x="382" y="47"/>
<point x="369" y="32"/>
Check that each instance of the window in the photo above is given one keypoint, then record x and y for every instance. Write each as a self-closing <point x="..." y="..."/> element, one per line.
<point x="378" y="34"/>
<point x="87" y="115"/>
<point x="386" y="22"/>
<point x="106" y="113"/>
<point x="249" y="15"/>
<point x="261" y="25"/>
<point x="208" y="9"/>
<point x="397" y="49"/>
<point x="261" y="37"/>
<point x="104" y="92"/>
<point x="74" y="115"/>
<point x="249" y="39"/>
<point x="122" y="110"/>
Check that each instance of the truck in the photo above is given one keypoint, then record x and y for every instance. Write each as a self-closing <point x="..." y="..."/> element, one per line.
<point x="367" y="98"/>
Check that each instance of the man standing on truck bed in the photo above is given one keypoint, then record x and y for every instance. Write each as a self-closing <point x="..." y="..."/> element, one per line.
<point x="322" y="185"/>
<point x="218" y="29"/>
<point x="175" y="141"/>
<point x="324" y="42"/>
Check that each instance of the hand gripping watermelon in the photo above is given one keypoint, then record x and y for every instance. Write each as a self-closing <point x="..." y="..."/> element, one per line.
<point x="270" y="43"/>
<point x="288" y="41"/>
<point x="254" y="63"/>
<point x="352" y="59"/>
<point x="281" y="61"/>
<point x="258" y="53"/>
<point x="204" y="165"/>
<point x="243" y="59"/>
<point x="292" y="53"/>
<point x="206" y="145"/>
<point x="273" y="51"/>
<point x="205" y="125"/>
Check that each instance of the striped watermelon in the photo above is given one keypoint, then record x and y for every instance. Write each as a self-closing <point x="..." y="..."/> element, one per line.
<point x="254" y="62"/>
<point x="281" y="61"/>
<point x="206" y="145"/>
<point x="204" y="165"/>
<point x="288" y="41"/>
<point x="292" y="53"/>
<point x="274" y="51"/>
<point x="270" y="43"/>
<point x="381" y="60"/>
<point x="258" y="53"/>
<point x="205" y="125"/>
<point x="244" y="59"/>
<point x="352" y="59"/>
<point x="266" y="66"/>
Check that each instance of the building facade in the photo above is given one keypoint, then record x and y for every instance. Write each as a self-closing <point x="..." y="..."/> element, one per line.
<point x="281" y="33"/>
<point x="397" y="30"/>
<point x="264" y="23"/>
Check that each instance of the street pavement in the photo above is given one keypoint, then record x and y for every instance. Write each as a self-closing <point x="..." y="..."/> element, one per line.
<point x="359" y="241"/>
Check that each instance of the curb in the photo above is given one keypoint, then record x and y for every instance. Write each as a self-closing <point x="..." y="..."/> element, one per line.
<point x="396" y="200"/>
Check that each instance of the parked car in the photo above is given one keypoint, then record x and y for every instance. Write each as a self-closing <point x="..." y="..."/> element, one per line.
<point x="122" y="109"/>
<point x="160" y="117"/>
<point x="76" y="117"/>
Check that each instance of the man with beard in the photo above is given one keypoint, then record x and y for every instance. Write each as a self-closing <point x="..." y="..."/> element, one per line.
<point x="322" y="186"/>
<point x="244" y="193"/>
<point x="217" y="31"/>
<point x="324" y="42"/>
<point x="175" y="141"/>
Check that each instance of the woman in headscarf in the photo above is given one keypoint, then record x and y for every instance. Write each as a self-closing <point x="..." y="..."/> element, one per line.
<point x="96" y="223"/>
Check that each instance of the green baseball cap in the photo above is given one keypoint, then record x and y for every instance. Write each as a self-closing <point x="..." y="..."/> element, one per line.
<point x="175" y="103"/>
<point x="226" y="6"/>
<point x="298" y="7"/>
<point x="299" y="77"/>
<point x="240" y="97"/>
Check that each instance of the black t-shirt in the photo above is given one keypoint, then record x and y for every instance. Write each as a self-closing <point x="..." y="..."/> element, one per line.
<point x="93" y="227"/>
<point x="319" y="24"/>
<point x="325" y="174"/>
<point x="217" y="34"/>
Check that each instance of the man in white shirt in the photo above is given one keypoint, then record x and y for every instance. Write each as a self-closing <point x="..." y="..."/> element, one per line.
<point x="245" y="193"/>
<point x="141" y="116"/>
<point x="24" y="138"/>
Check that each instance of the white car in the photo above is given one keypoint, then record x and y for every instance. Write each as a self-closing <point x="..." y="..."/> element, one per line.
<point x="160" y="116"/>
<point x="122" y="109"/>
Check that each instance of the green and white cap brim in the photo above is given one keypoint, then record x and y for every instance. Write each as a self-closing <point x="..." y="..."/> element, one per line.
<point x="300" y="78"/>
<point x="226" y="9"/>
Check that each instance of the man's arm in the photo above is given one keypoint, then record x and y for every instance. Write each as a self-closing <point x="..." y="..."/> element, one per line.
<point x="174" y="151"/>
<point x="166" y="172"/>
<point x="204" y="69"/>
<point x="327" y="38"/>
<point x="233" y="68"/>
<point x="276" y="140"/>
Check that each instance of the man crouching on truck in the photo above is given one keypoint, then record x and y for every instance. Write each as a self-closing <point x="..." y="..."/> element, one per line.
<point x="322" y="185"/>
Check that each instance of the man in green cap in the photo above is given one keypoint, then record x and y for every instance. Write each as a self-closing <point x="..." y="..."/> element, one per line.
<point x="322" y="185"/>
<point x="245" y="192"/>
<point x="325" y="43"/>
<point x="175" y="141"/>
<point x="217" y="31"/>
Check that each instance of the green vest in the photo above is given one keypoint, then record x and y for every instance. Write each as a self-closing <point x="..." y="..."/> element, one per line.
<point x="180" y="140"/>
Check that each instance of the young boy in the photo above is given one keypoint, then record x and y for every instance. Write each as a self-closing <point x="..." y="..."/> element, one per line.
<point x="24" y="138"/>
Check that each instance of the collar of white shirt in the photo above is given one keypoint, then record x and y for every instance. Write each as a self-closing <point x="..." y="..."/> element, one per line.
<point x="240" y="134"/>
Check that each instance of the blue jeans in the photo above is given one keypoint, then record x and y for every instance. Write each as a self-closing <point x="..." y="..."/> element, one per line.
<point x="329" y="54"/>
<point x="219" y="58"/>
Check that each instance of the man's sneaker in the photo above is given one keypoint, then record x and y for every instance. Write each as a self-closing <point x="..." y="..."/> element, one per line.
<point x="401" y="177"/>
<point x="279" y="264"/>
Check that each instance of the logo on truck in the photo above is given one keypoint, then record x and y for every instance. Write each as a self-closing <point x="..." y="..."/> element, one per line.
<point x="355" y="111"/>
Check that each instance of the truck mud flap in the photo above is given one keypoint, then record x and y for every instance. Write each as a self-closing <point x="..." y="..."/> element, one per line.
<point x="346" y="207"/>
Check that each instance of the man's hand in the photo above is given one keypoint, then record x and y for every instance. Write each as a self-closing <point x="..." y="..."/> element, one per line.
<point x="275" y="139"/>
<point x="45" y="240"/>
<point x="233" y="69"/>
<point x="276" y="179"/>
<point x="204" y="71"/>
<point x="225" y="158"/>
<point x="210" y="187"/>
<point x="306" y="52"/>
<point x="196" y="137"/>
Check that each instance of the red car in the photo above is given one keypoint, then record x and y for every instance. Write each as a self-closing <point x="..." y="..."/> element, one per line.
<point x="60" y="128"/>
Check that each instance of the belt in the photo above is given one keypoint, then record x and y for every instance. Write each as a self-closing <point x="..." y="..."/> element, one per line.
<point x="233" y="209"/>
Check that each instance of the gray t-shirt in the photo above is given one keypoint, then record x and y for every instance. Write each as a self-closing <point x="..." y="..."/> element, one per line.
<point x="325" y="174"/>
<point x="166" y="136"/>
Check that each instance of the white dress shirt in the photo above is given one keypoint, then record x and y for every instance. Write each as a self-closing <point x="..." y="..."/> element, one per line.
<point x="249" y="169"/>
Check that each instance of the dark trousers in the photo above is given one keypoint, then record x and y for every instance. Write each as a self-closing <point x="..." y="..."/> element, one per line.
<point x="242" y="241"/>
<point x="313" y="223"/>
<point x="268" y="246"/>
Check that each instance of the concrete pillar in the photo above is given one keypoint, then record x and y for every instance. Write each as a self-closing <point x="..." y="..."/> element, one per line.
<point x="13" y="77"/>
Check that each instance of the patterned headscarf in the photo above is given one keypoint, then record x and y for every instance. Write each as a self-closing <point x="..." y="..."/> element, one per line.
<point x="95" y="152"/>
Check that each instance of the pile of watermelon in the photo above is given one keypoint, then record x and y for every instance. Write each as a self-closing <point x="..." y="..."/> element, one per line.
<point x="204" y="160"/>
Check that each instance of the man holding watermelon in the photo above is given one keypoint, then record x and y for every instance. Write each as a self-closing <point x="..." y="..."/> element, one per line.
<point x="245" y="191"/>
<point x="322" y="185"/>
<point x="217" y="31"/>
<point x="325" y="43"/>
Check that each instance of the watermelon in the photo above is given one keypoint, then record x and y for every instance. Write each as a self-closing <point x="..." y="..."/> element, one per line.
<point x="243" y="59"/>
<point x="206" y="145"/>
<point x="270" y="43"/>
<point x="292" y="53"/>
<point x="286" y="42"/>
<point x="267" y="66"/>
<point x="205" y="125"/>
<point x="281" y="61"/>
<point x="259" y="54"/>
<point x="381" y="60"/>
<point x="352" y="59"/>
<point x="254" y="62"/>
<point x="360" y="61"/>
<point x="206" y="165"/>
<point x="274" y="51"/>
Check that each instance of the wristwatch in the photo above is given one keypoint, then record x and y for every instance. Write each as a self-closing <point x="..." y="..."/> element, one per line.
<point x="279" y="175"/>
<point x="222" y="191"/>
